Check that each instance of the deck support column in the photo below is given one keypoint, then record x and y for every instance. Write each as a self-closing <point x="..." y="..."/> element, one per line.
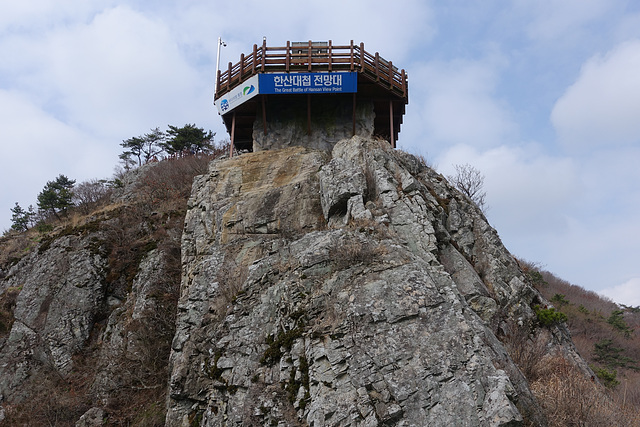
<point x="264" y="115"/>
<point x="233" y="133"/>
<point x="308" y="114"/>
<point x="353" y="130"/>
<point x="392" y="137"/>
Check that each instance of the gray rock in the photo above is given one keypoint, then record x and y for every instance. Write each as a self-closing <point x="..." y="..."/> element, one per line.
<point x="382" y="312"/>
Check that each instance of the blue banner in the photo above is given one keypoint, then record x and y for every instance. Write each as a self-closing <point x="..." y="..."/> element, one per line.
<point x="293" y="83"/>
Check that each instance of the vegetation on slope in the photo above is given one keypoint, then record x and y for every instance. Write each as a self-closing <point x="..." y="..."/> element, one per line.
<point x="606" y="336"/>
<point x="123" y="230"/>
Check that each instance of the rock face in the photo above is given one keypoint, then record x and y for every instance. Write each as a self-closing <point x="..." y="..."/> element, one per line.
<point x="331" y="122"/>
<point x="342" y="284"/>
<point x="352" y="289"/>
<point x="60" y="295"/>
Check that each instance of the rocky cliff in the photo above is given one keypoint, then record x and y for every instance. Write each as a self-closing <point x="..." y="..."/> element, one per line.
<point x="350" y="288"/>
<point x="346" y="287"/>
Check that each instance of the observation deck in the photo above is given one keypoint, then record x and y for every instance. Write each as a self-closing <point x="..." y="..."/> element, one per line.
<point x="255" y="89"/>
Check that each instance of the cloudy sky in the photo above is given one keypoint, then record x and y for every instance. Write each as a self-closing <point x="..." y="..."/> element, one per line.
<point x="542" y="96"/>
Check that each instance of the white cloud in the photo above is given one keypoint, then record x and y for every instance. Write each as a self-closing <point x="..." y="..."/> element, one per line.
<point x="392" y="31"/>
<point x="36" y="147"/>
<point x="118" y="72"/>
<point x="557" y="21"/>
<point x="527" y="191"/>
<point x="601" y="107"/>
<point x="627" y="293"/>
<point x="455" y="103"/>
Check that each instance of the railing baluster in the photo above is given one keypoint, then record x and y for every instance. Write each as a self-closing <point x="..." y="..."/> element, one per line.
<point x="351" y="58"/>
<point x="328" y="57"/>
<point x="255" y="58"/>
<point x="288" y="57"/>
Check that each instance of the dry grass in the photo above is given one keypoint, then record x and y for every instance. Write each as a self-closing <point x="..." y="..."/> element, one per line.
<point x="569" y="398"/>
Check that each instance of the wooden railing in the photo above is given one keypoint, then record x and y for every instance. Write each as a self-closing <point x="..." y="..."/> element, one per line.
<point x="308" y="57"/>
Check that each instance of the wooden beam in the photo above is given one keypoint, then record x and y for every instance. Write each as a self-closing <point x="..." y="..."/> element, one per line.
<point x="404" y="85"/>
<point x="391" y="129"/>
<point x="233" y="133"/>
<point x="308" y="114"/>
<point x="287" y="61"/>
<point x="353" y="130"/>
<point x="217" y="84"/>
<point x="351" y="62"/>
<point x="255" y="59"/>
<point x="264" y="114"/>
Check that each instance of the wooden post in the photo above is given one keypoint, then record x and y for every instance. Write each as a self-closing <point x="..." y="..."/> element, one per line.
<point x="241" y="65"/>
<point x="233" y="133"/>
<point x="309" y="55"/>
<point x="255" y="59"/>
<point x="404" y="85"/>
<point x="264" y="54"/>
<point x="361" y="57"/>
<point x="377" y="66"/>
<point x="287" y="60"/>
<point x="229" y="75"/>
<point x="329" y="55"/>
<point x="215" y="95"/>
<point x="392" y="131"/>
<point x="264" y="114"/>
<point x="352" y="59"/>
<point x="308" y="114"/>
<point x="353" y="131"/>
<point x="390" y="75"/>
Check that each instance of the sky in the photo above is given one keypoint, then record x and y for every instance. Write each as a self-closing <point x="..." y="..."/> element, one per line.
<point x="541" y="96"/>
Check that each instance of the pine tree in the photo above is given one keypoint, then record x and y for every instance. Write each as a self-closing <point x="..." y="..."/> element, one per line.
<point x="57" y="196"/>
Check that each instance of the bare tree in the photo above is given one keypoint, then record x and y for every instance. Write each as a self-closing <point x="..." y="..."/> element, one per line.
<point x="470" y="182"/>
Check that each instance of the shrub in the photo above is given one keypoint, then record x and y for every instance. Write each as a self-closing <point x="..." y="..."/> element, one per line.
<point x="549" y="316"/>
<point x="616" y="320"/>
<point x="560" y="300"/>
<point x="608" y="378"/>
<point x="568" y="397"/>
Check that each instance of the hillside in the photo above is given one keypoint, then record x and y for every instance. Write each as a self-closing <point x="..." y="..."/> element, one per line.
<point x="294" y="287"/>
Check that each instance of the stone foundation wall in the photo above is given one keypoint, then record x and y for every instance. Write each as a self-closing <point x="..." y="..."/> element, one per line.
<point x="331" y="121"/>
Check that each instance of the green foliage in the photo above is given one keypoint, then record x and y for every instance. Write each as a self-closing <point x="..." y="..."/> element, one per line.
<point x="549" y="316"/>
<point x="584" y="310"/>
<point x="57" y="196"/>
<point x="273" y="353"/>
<point x="143" y="148"/>
<point x="536" y="279"/>
<point x="187" y="138"/>
<point x="606" y="353"/>
<point x="616" y="319"/>
<point x="22" y="219"/>
<point x="43" y="227"/>
<point x="559" y="299"/>
<point x="631" y="309"/>
<point x="607" y="377"/>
